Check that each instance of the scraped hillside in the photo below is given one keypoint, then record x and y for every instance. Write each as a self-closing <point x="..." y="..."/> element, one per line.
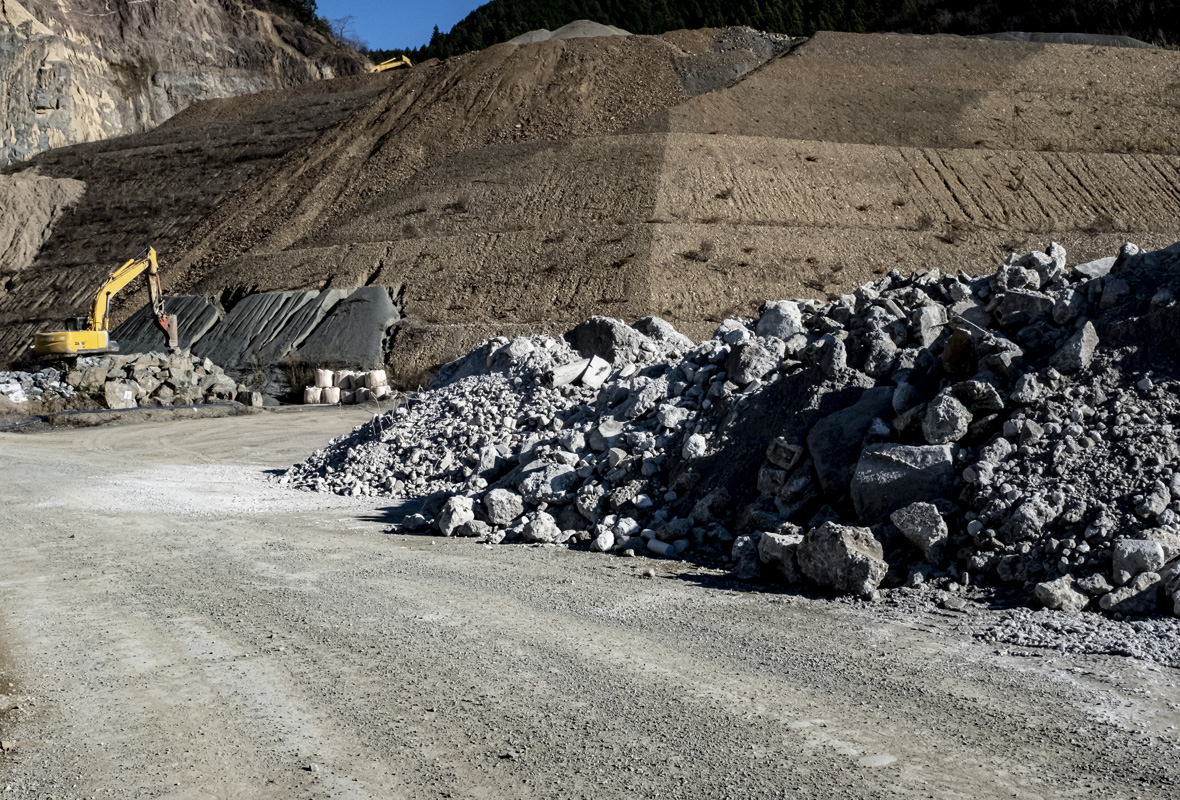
<point x="131" y="191"/>
<point x="690" y="175"/>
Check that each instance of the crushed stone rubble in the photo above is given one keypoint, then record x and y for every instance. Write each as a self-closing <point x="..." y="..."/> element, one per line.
<point x="925" y="433"/>
<point x="131" y="381"/>
<point x="43" y="386"/>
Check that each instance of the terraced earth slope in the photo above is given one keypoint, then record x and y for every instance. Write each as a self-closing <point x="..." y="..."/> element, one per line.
<point x="151" y="189"/>
<point x="690" y="175"/>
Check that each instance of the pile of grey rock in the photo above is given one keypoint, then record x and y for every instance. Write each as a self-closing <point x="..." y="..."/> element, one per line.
<point x="156" y="379"/>
<point x="43" y="386"/>
<point x="935" y="431"/>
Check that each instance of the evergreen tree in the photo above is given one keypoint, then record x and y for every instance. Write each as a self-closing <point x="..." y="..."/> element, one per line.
<point x="499" y="20"/>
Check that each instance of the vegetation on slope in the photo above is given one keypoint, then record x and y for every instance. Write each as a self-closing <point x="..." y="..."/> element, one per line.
<point x="500" y="20"/>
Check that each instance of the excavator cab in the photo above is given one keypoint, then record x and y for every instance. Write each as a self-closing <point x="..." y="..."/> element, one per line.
<point x="76" y="324"/>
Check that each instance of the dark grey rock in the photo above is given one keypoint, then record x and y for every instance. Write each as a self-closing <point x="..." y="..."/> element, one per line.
<point x="1077" y="352"/>
<point x="502" y="506"/>
<point x="892" y="476"/>
<point x="1139" y="597"/>
<point x="924" y="527"/>
<point x="835" y="441"/>
<point x="846" y="559"/>
<point x="946" y="420"/>
<point x="1134" y="556"/>
<point x="782" y="320"/>
<point x="1060" y="595"/>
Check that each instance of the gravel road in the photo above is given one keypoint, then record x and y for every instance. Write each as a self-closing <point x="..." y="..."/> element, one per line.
<point x="176" y="625"/>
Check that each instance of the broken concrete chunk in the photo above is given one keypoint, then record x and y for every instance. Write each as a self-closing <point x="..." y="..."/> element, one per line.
<point x="502" y="506"/>
<point x="744" y="554"/>
<point x="1060" y="595"/>
<point x="750" y="362"/>
<point x="119" y="394"/>
<point x="541" y="529"/>
<point x="946" y="420"/>
<point x="924" y="527"/>
<point x="783" y="454"/>
<point x="777" y="550"/>
<point x="548" y="484"/>
<point x="1134" y="556"/>
<point x="596" y="373"/>
<point x="568" y="373"/>
<point x="848" y="560"/>
<point x="1140" y="596"/>
<point x="1098" y="268"/>
<point x="457" y="511"/>
<point x="1077" y="352"/>
<point x="782" y="320"/>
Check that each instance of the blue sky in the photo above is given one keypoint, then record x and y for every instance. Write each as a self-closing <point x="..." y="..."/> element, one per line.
<point x="397" y="23"/>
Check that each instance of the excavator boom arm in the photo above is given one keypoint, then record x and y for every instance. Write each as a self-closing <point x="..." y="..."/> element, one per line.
<point x="100" y="312"/>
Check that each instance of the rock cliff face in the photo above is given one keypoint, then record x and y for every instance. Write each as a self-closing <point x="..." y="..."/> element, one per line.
<point x="76" y="71"/>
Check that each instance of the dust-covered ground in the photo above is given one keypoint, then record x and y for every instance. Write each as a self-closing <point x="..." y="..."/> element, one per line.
<point x="177" y="625"/>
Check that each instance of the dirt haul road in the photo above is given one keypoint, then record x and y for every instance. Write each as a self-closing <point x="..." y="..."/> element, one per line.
<point x="177" y="625"/>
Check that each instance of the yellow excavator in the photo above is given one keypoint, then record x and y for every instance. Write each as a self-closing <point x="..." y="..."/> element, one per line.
<point x="393" y="63"/>
<point x="88" y="336"/>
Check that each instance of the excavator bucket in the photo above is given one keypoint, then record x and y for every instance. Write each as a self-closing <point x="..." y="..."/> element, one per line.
<point x="171" y="326"/>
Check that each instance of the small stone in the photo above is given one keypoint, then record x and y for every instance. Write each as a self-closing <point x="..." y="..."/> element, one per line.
<point x="946" y="420"/>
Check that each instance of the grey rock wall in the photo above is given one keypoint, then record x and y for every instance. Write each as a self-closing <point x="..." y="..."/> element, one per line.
<point x="83" y="70"/>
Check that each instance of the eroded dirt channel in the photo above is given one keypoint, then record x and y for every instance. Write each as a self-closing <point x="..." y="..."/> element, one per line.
<point x="174" y="624"/>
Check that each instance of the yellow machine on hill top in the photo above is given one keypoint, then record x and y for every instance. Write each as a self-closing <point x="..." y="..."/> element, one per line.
<point x="77" y="340"/>
<point x="393" y="63"/>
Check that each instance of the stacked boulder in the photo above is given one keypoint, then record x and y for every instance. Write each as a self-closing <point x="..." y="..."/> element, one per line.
<point x="347" y="387"/>
<point x="155" y="379"/>
<point x="1011" y="430"/>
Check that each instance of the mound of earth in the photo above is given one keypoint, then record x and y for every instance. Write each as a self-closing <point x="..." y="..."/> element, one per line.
<point x="29" y="206"/>
<point x="522" y="189"/>
<point x="578" y="29"/>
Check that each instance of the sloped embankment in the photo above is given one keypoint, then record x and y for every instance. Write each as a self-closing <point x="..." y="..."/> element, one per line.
<point x="811" y="172"/>
<point x="525" y="188"/>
